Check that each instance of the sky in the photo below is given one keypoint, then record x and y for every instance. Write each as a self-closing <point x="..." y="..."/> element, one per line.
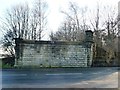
<point x="54" y="15"/>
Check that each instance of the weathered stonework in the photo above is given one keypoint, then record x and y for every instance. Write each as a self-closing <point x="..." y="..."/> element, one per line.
<point x="54" y="53"/>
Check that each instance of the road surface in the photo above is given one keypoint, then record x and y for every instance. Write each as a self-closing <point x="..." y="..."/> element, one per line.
<point x="106" y="77"/>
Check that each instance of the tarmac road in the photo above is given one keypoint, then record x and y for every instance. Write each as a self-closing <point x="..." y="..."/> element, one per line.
<point x="104" y="77"/>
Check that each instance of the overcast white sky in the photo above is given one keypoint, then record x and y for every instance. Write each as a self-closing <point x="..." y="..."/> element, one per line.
<point x="54" y="16"/>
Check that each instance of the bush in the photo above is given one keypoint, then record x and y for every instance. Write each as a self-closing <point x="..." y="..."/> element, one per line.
<point x="6" y="66"/>
<point x="8" y="62"/>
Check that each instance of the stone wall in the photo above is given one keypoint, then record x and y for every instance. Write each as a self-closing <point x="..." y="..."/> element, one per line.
<point x="53" y="53"/>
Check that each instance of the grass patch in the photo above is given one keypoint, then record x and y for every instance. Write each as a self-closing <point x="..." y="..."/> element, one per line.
<point x="0" y="63"/>
<point x="6" y="66"/>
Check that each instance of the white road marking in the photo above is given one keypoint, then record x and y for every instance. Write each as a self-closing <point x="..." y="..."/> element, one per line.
<point x="16" y="75"/>
<point x="65" y="74"/>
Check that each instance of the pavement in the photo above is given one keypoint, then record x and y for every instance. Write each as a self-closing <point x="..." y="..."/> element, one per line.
<point x="61" y="78"/>
<point x="109" y="81"/>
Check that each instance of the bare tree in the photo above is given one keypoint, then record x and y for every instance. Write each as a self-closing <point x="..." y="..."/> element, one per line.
<point x="95" y="25"/>
<point x="39" y="19"/>
<point x="74" y="25"/>
<point x="104" y="26"/>
<point x="15" y="26"/>
<point x="111" y="34"/>
<point x="23" y="22"/>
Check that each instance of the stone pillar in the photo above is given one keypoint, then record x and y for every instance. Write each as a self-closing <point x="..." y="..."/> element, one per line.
<point x="89" y="46"/>
<point x="17" y="50"/>
<point x="89" y="38"/>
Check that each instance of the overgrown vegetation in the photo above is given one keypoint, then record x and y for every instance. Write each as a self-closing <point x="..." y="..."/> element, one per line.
<point x="103" y="25"/>
<point x="8" y="62"/>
